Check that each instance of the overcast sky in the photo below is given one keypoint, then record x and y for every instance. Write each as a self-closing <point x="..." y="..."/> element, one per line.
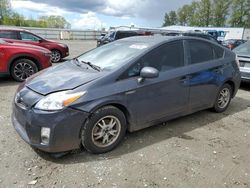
<point x="94" y="14"/>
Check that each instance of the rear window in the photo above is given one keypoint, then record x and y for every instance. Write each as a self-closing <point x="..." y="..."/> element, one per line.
<point x="218" y="52"/>
<point x="121" y="35"/>
<point x="200" y="51"/>
<point x="8" y="35"/>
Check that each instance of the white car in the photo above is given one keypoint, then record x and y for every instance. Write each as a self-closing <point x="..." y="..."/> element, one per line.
<point x="243" y="54"/>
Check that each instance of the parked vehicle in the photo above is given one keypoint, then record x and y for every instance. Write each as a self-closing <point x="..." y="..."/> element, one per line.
<point x="243" y="54"/>
<point x="232" y="43"/>
<point x="21" y="60"/>
<point x="100" y="38"/>
<point x="218" y="35"/>
<point x="193" y="34"/>
<point x="58" y="50"/>
<point x="120" y="34"/>
<point x="130" y="84"/>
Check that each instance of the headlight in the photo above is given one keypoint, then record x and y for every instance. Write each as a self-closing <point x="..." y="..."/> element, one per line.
<point x="48" y="54"/>
<point x="58" y="101"/>
<point x="63" y="45"/>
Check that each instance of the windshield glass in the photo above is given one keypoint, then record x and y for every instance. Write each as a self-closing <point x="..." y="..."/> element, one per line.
<point x="113" y="55"/>
<point x="111" y="34"/>
<point x="243" y="49"/>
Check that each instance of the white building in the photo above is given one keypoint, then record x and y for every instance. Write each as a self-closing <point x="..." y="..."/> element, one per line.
<point x="229" y="32"/>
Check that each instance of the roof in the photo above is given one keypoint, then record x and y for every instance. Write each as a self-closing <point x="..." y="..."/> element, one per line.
<point x="157" y="40"/>
<point x="12" y="29"/>
<point x="149" y="39"/>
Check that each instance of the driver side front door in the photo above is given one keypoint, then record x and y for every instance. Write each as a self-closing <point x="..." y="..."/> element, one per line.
<point x="158" y="99"/>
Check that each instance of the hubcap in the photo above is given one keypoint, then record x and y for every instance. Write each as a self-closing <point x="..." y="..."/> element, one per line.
<point x="106" y="131"/>
<point x="224" y="98"/>
<point x="23" y="70"/>
<point x="55" y="56"/>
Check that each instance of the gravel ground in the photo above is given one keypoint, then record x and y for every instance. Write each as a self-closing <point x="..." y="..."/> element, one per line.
<point x="200" y="150"/>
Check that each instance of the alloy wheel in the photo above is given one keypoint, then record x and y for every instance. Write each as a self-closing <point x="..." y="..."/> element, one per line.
<point x="224" y="98"/>
<point x="106" y="131"/>
<point x="55" y="56"/>
<point x="23" y="70"/>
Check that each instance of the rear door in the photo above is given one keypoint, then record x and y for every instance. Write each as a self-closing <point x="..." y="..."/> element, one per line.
<point x="205" y="72"/>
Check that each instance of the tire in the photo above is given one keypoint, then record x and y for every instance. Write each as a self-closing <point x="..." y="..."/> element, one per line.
<point x="55" y="56"/>
<point x="22" y="69"/>
<point x="222" y="102"/>
<point x="98" y="126"/>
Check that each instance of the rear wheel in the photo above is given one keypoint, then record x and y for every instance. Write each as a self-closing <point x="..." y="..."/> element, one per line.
<point x="104" y="130"/>
<point x="55" y="56"/>
<point x="22" y="69"/>
<point x="223" y="98"/>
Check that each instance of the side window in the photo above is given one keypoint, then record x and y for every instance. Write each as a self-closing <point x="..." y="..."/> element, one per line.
<point x="28" y="37"/>
<point x="213" y="39"/>
<point x="200" y="51"/>
<point x="218" y="52"/>
<point x="8" y="35"/>
<point x="119" y="35"/>
<point x="163" y="58"/>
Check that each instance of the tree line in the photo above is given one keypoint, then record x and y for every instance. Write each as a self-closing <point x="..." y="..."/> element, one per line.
<point x="9" y="17"/>
<point x="217" y="13"/>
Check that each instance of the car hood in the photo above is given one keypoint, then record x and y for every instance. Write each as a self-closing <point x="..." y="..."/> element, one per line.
<point x="66" y="76"/>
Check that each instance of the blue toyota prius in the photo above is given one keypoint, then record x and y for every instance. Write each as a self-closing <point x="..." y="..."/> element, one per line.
<point x="127" y="85"/>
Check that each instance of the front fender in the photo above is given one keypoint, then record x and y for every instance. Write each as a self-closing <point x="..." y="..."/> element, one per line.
<point x="117" y="101"/>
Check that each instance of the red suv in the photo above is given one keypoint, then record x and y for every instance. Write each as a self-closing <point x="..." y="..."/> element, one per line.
<point x="58" y="50"/>
<point x="22" y="60"/>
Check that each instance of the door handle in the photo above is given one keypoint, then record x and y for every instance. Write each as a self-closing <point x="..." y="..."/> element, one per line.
<point x="217" y="70"/>
<point x="185" y="78"/>
<point x="130" y="92"/>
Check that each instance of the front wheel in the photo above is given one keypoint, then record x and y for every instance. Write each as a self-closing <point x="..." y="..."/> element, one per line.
<point x="22" y="69"/>
<point x="55" y="56"/>
<point x="223" y="98"/>
<point x="104" y="130"/>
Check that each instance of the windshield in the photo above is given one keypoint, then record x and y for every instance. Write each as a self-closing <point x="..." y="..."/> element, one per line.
<point x="243" y="49"/>
<point x="111" y="34"/>
<point x="113" y="55"/>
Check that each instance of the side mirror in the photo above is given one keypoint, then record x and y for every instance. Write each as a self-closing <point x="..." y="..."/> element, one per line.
<point x="148" y="72"/>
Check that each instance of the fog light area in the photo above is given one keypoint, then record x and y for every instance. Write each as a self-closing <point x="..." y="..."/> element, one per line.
<point x="45" y="135"/>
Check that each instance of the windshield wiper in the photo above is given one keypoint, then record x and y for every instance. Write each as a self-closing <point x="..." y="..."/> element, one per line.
<point x="77" y="61"/>
<point x="95" y="67"/>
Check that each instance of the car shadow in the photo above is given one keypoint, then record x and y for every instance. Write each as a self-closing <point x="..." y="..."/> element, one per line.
<point x="7" y="81"/>
<point x="245" y="86"/>
<point x="137" y="140"/>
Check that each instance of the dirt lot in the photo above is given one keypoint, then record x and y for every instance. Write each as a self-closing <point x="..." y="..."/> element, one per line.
<point x="201" y="150"/>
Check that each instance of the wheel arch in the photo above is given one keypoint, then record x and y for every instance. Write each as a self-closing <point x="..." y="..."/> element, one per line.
<point x="120" y="106"/>
<point x="24" y="56"/>
<point x="57" y="49"/>
<point x="232" y="85"/>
